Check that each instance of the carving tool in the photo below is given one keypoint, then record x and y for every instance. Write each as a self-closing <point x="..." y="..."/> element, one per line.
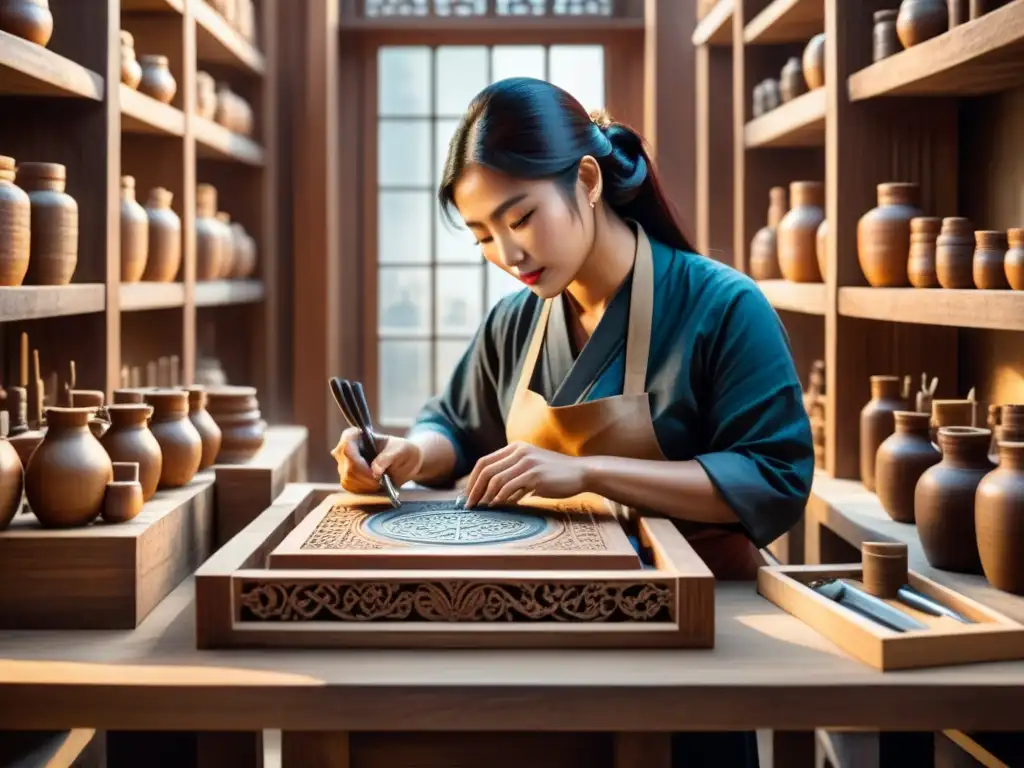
<point x="925" y="604"/>
<point x="866" y="605"/>
<point x="353" y="411"/>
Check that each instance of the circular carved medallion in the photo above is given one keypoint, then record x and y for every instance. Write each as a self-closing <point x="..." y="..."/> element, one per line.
<point x="441" y="524"/>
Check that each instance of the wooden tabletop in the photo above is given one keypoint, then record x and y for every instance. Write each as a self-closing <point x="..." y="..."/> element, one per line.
<point x="767" y="670"/>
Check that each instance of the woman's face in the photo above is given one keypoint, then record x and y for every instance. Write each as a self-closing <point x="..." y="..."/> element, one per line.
<point x="527" y="227"/>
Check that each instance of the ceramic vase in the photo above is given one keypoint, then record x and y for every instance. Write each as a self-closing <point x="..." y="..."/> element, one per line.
<point x="206" y="95"/>
<point x="11" y="479"/>
<point x="764" y="258"/>
<point x="129" y="439"/>
<point x="877" y="423"/>
<point x="1013" y="263"/>
<point x="999" y="520"/>
<point x="821" y="249"/>
<point x="15" y="227"/>
<point x="180" y="443"/>
<point x="131" y="70"/>
<point x="134" y="233"/>
<point x="53" y="244"/>
<point x="67" y="476"/>
<point x="814" y="61"/>
<point x="227" y="238"/>
<point x="157" y="81"/>
<point x="798" y="231"/>
<point x="883" y="235"/>
<point x="28" y="19"/>
<point x="988" y="263"/>
<point x="164" y="254"/>
<point x="791" y="80"/>
<point x="924" y="230"/>
<point x="954" y="253"/>
<point x="236" y="411"/>
<point x="885" y="41"/>
<point x="205" y="426"/>
<point x="209" y="239"/>
<point x="901" y="460"/>
<point x="945" y="496"/>
<point x="921" y="20"/>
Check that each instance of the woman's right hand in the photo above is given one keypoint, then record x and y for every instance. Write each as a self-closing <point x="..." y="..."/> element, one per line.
<point x="399" y="457"/>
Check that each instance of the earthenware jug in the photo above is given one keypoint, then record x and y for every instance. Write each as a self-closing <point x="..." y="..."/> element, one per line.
<point x="999" y="520"/>
<point x="15" y="227"/>
<point x="1014" y="261"/>
<point x="11" y="480"/>
<point x="877" y="422"/>
<point x="236" y="411"/>
<point x="164" y="254"/>
<point x="901" y="460"/>
<point x="764" y="258"/>
<point x="130" y="440"/>
<point x="885" y="41"/>
<point x="821" y="249"/>
<point x="924" y="230"/>
<point x="205" y="426"/>
<point x="814" y="61"/>
<point x="791" y="80"/>
<point x="53" y="242"/>
<point x="954" y="253"/>
<point x="209" y="234"/>
<point x="921" y="20"/>
<point x="67" y="476"/>
<point x="883" y="235"/>
<point x="180" y="443"/>
<point x="988" y="265"/>
<point x="123" y="500"/>
<point x="134" y="233"/>
<point x="157" y="81"/>
<point x="91" y="398"/>
<point x="944" y="500"/>
<point x="227" y="238"/>
<point x="28" y="19"/>
<point x="131" y="70"/>
<point x="206" y="95"/>
<point x="798" y="231"/>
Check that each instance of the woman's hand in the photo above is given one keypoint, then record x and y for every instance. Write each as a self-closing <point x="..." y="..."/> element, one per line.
<point x="399" y="457"/>
<point x="518" y="469"/>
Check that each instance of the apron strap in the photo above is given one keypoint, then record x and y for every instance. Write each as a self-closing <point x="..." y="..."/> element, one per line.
<point x="533" y="351"/>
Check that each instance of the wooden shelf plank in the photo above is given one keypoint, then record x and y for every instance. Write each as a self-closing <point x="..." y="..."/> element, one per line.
<point x="996" y="310"/>
<point x="30" y="302"/>
<point x="153" y="6"/>
<point x="797" y="123"/>
<point x="214" y="141"/>
<point x="27" y="69"/>
<point x="982" y="56"/>
<point x="141" y="296"/>
<point x="716" y="27"/>
<point x="217" y="41"/>
<point x="786" y="21"/>
<point x="142" y="114"/>
<point x="807" y="298"/>
<point x="218" y="293"/>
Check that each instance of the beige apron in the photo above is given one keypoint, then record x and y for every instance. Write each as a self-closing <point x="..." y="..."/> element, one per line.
<point x="621" y="425"/>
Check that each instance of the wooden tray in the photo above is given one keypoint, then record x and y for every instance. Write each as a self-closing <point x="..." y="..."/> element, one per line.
<point x="994" y="638"/>
<point x="243" y="602"/>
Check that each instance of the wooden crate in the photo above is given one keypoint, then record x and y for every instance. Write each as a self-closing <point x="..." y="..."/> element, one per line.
<point x="241" y="601"/>
<point x="993" y="638"/>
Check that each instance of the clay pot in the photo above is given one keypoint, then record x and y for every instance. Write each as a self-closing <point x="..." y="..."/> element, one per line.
<point x="921" y="20"/>
<point x="951" y="413"/>
<point x="978" y="8"/>
<point x="772" y="94"/>
<point x="954" y="253"/>
<point x="236" y="411"/>
<point x="54" y="224"/>
<point x="901" y="460"/>
<point x="814" y="61"/>
<point x="999" y="520"/>
<point x="205" y="426"/>
<point x="130" y="440"/>
<point x="821" y="248"/>
<point x="157" y="81"/>
<point x="885" y="41"/>
<point x="791" y="80"/>
<point x="227" y="237"/>
<point x="1009" y="428"/>
<point x="130" y="395"/>
<point x="210" y="374"/>
<point x="798" y="231"/>
<point x="758" y="107"/>
<point x="28" y="19"/>
<point x="877" y="422"/>
<point x="1014" y="261"/>
<point x="15" y="227"/>
<point x="123" y="500"/>
<point x="957" y="12"/>
<point x="180" y="443"/>
<point x="883" y="235"/>
<point x="11" y="484"/>
<point x="944" y="500"/>
<point x="243" y="116"/>
<point x="764" y="260"/>
<point x="245" y="252"/>
<point x="225" y="113"/>
<point x="91" y="398"/>
<point x="134" y="233"/>
<point x="164" y="257"/>
<point x="206" y="95"/>
<point x="924" y="230"/>
<point x="67" y="476"/>
<point x="988" y="264"/>
<point x="209" y="234"/>
<point x="131" y="70"/>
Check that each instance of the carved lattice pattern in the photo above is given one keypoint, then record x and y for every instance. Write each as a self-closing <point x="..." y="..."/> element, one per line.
<point x="460" y="7"/>
<point x="583" y="7"/>
<point x="385" y="8"/>
<point x="522" y="7"/>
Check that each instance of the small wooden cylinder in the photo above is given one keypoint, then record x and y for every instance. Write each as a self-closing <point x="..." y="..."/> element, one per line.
<point x="884" y="567"/>
<point x="123" y="500"/>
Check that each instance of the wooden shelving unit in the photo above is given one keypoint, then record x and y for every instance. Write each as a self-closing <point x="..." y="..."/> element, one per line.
<point x="785" y="21"/>
<point x="84" y="118"/>
<point x="798" y="123"/>
<point x="805" y="298"/>
<point x="716" y="27"/>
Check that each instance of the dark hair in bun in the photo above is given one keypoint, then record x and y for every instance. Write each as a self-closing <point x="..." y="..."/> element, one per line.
<point x="532" y="129"/>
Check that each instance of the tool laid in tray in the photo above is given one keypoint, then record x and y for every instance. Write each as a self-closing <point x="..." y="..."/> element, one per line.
<point x="351" y="399"/>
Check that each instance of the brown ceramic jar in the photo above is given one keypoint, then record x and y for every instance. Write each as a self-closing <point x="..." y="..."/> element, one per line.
<point x="901" y="460"/>
<point x="131" y="70"/>
<point x="164" y="256"/>
<point x="764" y="258"/>
<point x="877" y="422"/>
<point x="791" y="80"/>
<point x="157" y="81"/>
<point x="180" y="443"/>
<point x="885" y="41"/>
<point x="227" y="237"/>
<point x="1014" y="261"/>
<point x="54" y="224"/>
<point x="68" y="473"/>
<point x="206" y="95"/>
<point x="988" y="265"/>
<point x="883" y="235"/>
<point x="209" y="234"/>
<point x="921" y="20"/>
<point x="954" y="253"/>
<point x="821" y="249"/>
<point x="205" y="426"/>
<point x="28" y="19"/>
<point x="123" y="500"/>
<point x="1009" y="426"/>
<point x="15" y="227"/>
<point x="814" y="61"/>
<point x="129" y="440"/>
<point x="957" y="12"/>
<point x="924" y="230"/>
<point x="134" y="233"/>
<point x="236" y="411"/>
<point x="10" y="476"/>
<point x="798" y="231"/>
<point x="999" y="520"/>
<point x="945" y="496"/>
<point x="130" y="396"/>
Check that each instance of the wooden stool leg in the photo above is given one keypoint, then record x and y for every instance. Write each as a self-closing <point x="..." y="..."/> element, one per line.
<point x="314" y="749"/>
<point x="643" y="750"/>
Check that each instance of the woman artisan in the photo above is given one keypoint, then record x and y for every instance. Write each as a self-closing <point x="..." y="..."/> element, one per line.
<point x="631" y="367"/>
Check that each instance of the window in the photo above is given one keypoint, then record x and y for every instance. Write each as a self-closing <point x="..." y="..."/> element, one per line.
<point x="434" y="287"/>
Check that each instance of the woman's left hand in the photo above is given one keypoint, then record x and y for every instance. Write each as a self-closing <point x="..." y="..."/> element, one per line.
<point x="518" y="469"/>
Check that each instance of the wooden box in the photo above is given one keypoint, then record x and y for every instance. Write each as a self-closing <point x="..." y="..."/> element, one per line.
<point x="264" y="590"/>
<point x="993" y="638"/>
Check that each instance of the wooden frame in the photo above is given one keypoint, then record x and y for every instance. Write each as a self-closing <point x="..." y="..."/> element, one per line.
<point x="234" y="586"/>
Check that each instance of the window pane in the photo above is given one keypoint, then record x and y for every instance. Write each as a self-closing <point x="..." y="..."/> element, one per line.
<point x="459" y="297"/>
<point x="517" y="61"/>
<point x="500" y="283"/>
<point x="447" y="355"/>
<point x="404" y="380"/>
<point x="403" y="303"/>
<point x="579" y="69"/>
<point x="403" y="226"/>
<point x="461" y="74"/>
<point x="403" y="153"/>
<point x="403" y="81"/>
<point x="454" y="242"/>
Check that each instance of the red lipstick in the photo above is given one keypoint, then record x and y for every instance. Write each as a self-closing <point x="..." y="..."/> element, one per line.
<point x="530" y="278"/>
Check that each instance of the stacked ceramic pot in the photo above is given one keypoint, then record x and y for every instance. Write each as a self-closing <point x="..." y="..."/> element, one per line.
<point x="236" y="411"/>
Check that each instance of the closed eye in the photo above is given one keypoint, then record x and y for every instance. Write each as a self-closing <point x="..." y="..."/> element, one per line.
<point x="521" y="222"/>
